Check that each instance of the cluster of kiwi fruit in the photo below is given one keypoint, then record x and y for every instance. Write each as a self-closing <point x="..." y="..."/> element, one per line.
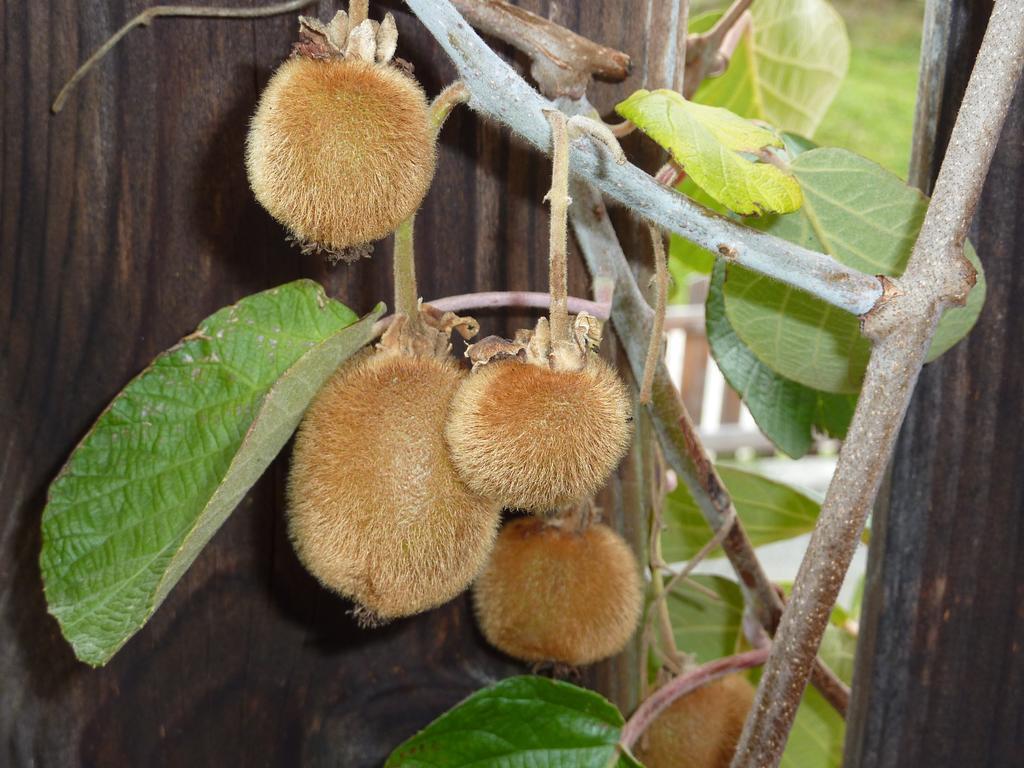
<point x="405" y="460"/>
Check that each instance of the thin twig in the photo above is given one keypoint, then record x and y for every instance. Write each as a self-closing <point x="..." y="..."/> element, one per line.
<point x="499" y="93"/>
<point x="623" y="129"/>
<point x="709" y="546"/>
<point x="657" y="612"/>
<point x="937" y="276"/>
<point x="713" y="37"/>
<point x="508" y="299"/>
<point x="679" y="686"/>
<point x="145" y="18"/>
<point x="658" y="327"/>
<point x="709" y="51"/>
<point x="564" y="61"/>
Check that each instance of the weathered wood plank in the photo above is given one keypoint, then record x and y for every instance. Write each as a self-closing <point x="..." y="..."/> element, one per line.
<point x="124" y="221"/>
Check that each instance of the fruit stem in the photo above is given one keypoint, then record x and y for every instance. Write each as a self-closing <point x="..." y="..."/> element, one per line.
<point x="678" y="687"/>
<point x="454" y="94"/>
<point x="658" y="609"/>
<point x="658" y="323"/>
<point x="558" y="196"/>
<point x="404" y="262"/>
<point x="406" y="290"/>
<point x="358" y="11"/>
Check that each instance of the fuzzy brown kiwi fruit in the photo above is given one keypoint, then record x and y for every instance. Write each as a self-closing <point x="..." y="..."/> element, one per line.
<point x="542" y="421"/>
<point x="562" y="594"/>
<point x="341" y="147"/>
<point x="376" y="510"/>
<point x="538" y="438"/>
<point x="700" y="729"/>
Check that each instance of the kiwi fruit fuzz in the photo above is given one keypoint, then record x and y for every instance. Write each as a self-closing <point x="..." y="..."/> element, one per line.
<point x="559" y="591"/>
<point x="341" y="147"/>
<point x="700" y="729"/>
<point x="542" y="420"/>
<point x="376" y="511"/>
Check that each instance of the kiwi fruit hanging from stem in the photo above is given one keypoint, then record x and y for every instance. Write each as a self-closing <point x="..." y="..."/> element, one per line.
<point x="376" y="510"/>
<point x="700" y="729"/>
<point x="542" y="421"/>
<point x="562" y="590"/>
<point x="341" y="148"/>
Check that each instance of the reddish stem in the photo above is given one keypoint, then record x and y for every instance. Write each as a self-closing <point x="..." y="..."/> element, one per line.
<point x="663" y="698"/>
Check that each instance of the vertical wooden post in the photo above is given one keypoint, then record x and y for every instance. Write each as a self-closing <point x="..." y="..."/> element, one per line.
<point x="127" y="219"/>
<point x="940" y="664"/>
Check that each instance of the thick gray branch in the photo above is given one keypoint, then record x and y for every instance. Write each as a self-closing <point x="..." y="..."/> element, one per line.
<point x="902" y="326"/>
<point x="501" y="94"/>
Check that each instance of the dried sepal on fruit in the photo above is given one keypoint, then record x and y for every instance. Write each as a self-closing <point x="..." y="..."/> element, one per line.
<point x="700" y="729"/>
<point x="542" y="420"/>
<point x="562" y="590"/>
<point x="535" y="435"/>
<point x="341" y="148"/>
<point x="376" y="511"/>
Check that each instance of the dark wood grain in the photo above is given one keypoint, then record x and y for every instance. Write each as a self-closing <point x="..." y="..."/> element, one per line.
<point x="940" y="666"/>
<point x="124" y="221"/>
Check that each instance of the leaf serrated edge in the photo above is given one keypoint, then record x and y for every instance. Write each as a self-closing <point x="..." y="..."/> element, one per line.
<point x="98" y="660"/>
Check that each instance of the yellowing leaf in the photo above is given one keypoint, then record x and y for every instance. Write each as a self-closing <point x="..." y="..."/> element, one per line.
<point x="707" y="142"/>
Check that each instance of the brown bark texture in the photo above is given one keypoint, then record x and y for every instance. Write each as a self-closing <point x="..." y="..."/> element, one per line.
<point x="127" y="219"/>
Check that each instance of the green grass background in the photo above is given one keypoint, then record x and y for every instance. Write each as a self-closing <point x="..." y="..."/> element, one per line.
<point x="873" y="114"/>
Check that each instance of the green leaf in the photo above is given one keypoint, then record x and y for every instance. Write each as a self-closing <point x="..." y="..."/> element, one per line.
<point x="176" y="451"/>
<point x="868" y="219"/>
<point x="707" y="142"/>
<point x="785" y="411"/>
<point x="521" y="721"/>
<point x="689" y="258"/>
<point x="788" y="66"/>
<point x="770" y="511"/>
<point x="708" y="627"/>
<point x="817" y="735"/>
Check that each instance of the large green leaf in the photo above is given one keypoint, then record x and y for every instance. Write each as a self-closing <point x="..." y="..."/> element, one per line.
<point x="866" y="218"/>
<point x="770" y="511"/>
<point x="788" y="66"/>
<point x="714" y="147"/>
<point x="518" y="722"/>
<point x="787" y="412"/>
<point x="176" y="451"/>
<point x="707" y="627"/>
